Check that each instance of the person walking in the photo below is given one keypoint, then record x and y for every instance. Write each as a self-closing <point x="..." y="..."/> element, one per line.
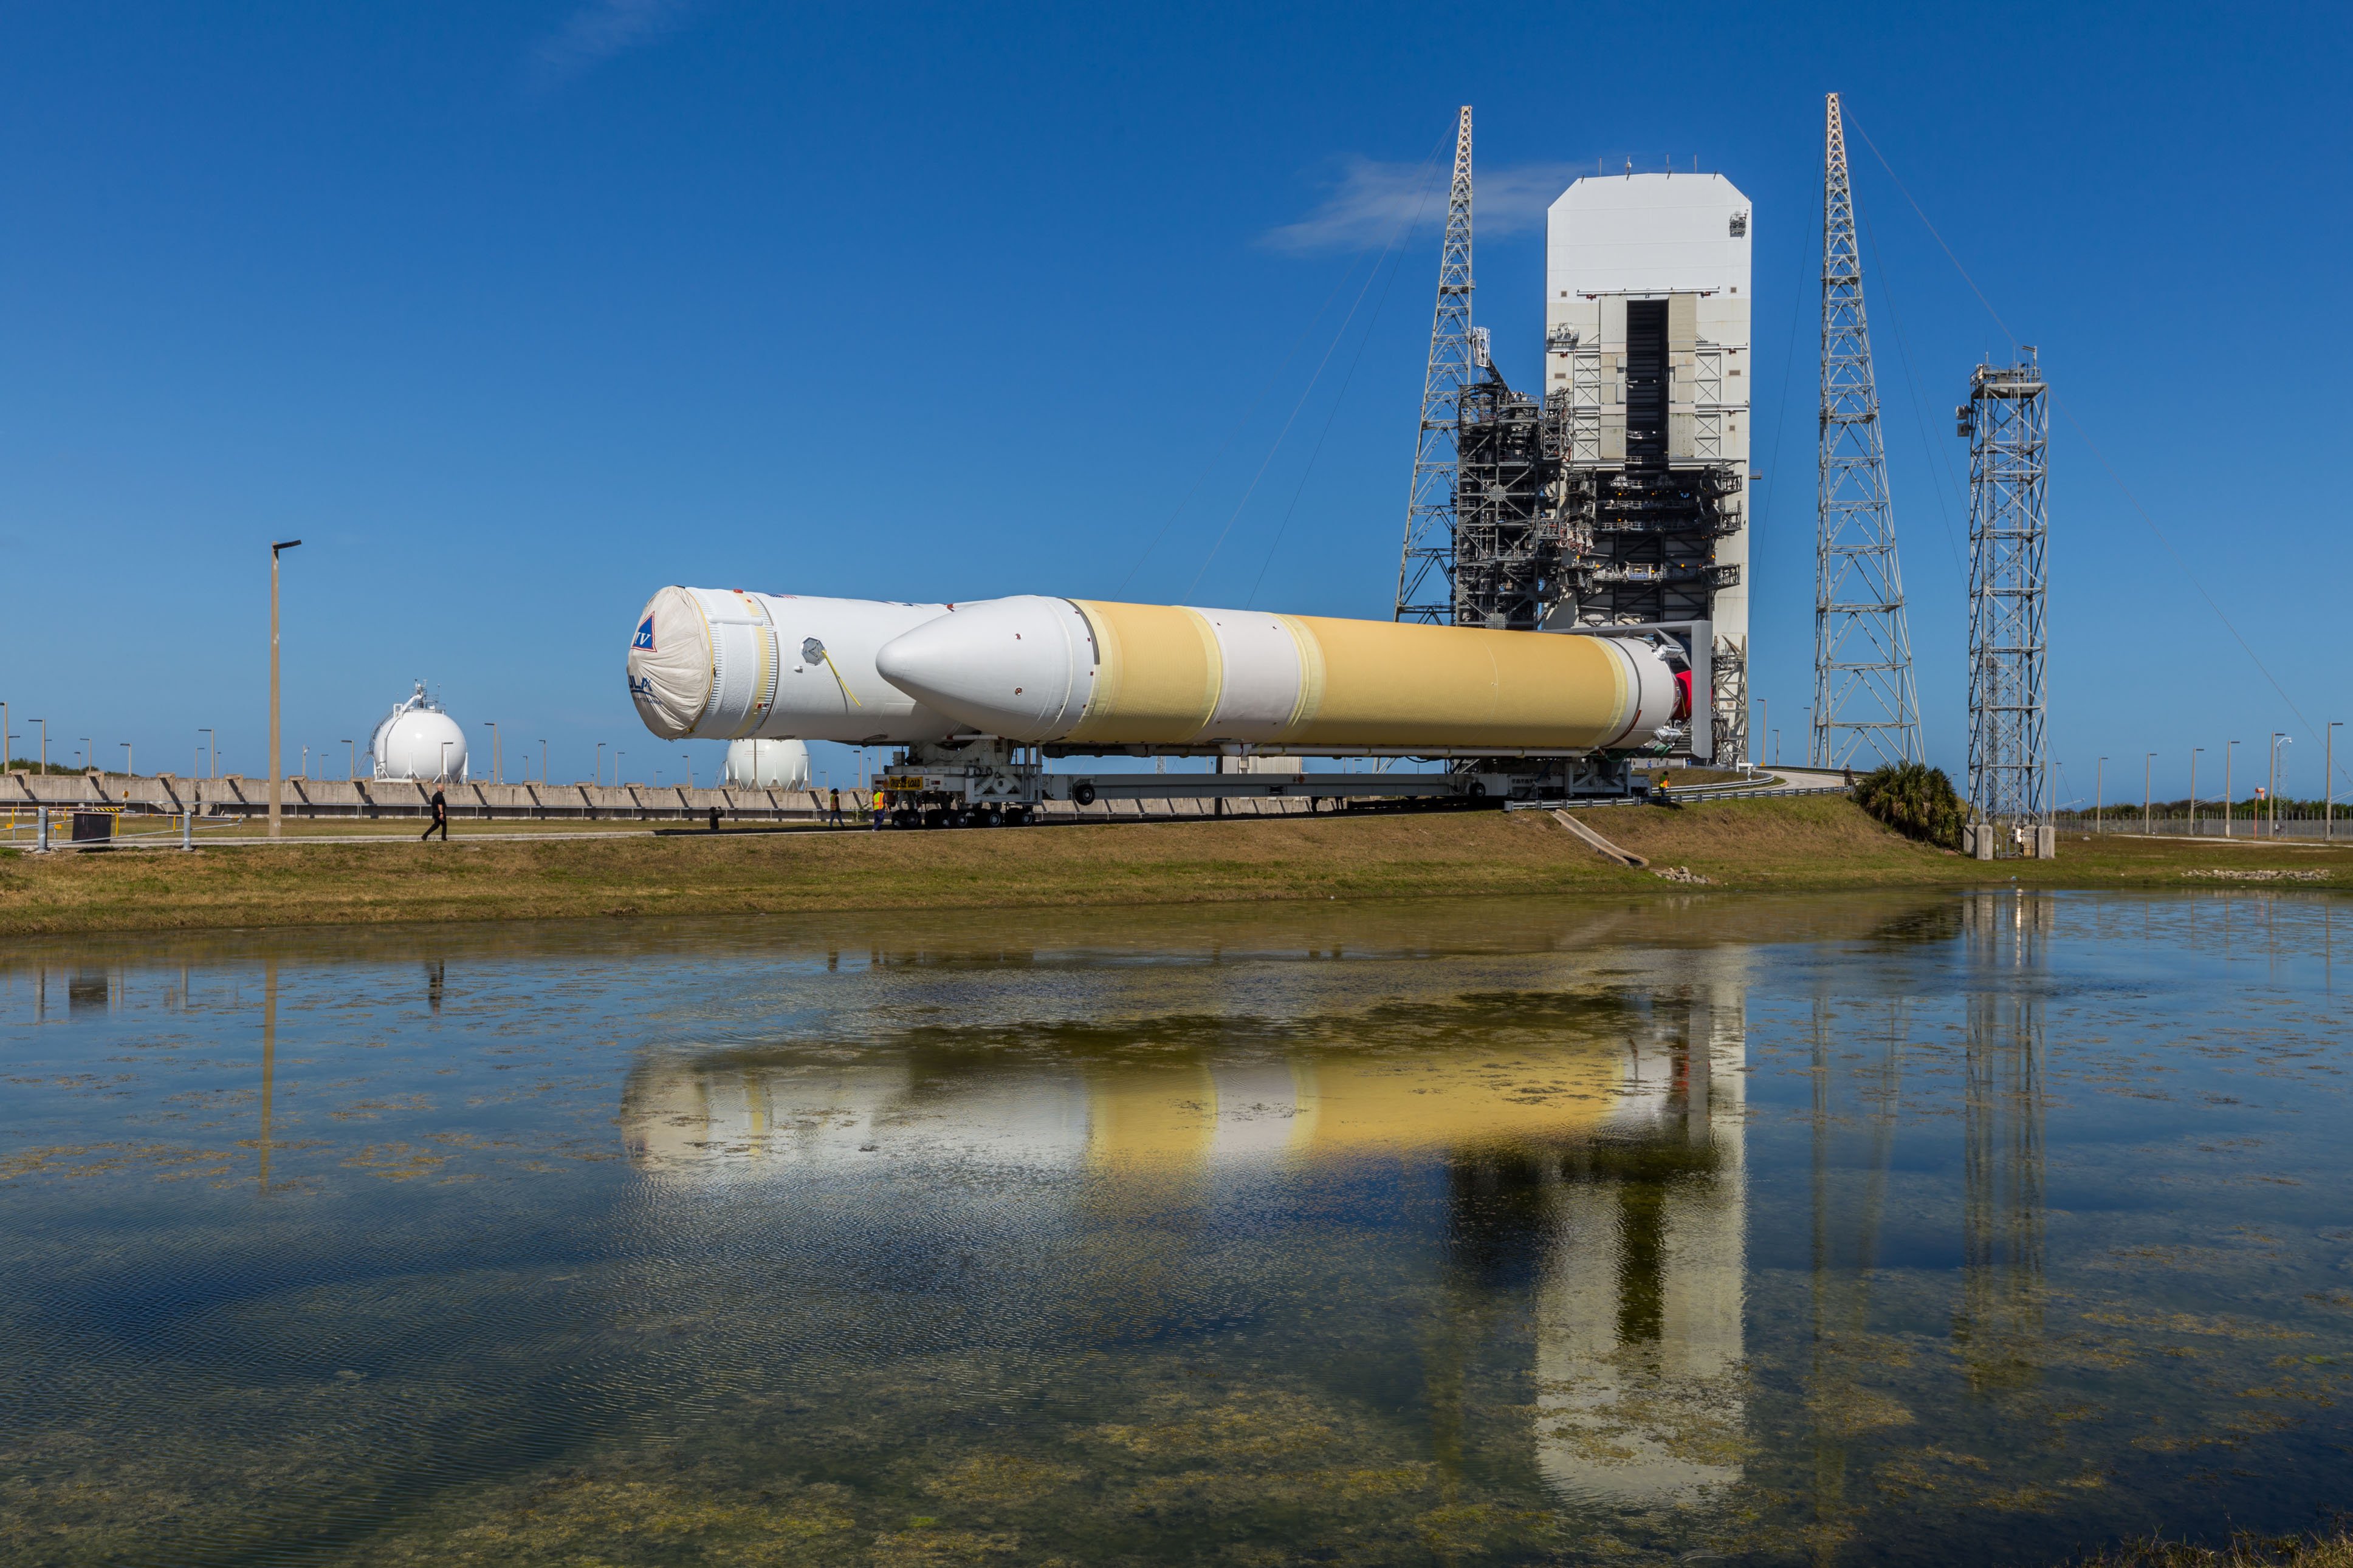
<point x="833" y="817"/>
<point x="440" y="818"/>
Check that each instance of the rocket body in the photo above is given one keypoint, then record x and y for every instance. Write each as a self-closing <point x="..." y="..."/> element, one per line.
<point x="1080" y="672"/>
<point x="1089" y="674"/>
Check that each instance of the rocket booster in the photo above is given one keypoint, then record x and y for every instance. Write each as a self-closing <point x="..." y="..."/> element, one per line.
<point x="1080" y="672"/>
<point x="1092" y="674"/>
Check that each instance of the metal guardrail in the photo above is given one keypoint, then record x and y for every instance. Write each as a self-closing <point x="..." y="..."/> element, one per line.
<point x="44" y="822"/>
<point x="1778" y="789"/>
<point x="1768" y="786"/>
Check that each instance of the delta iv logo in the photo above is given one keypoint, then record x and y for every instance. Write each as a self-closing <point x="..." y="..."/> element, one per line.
<point x="645" y="637"/>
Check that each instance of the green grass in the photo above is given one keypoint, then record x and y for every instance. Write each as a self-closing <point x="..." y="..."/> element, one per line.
<point x="2332" y="1550"/>
<point x="1808" y="843"/>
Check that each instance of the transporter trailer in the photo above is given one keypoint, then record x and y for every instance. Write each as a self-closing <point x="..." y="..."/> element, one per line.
<point x="983" y="781"/>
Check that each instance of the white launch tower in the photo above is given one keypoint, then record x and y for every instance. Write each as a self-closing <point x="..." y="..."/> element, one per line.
<point x="1647" y="389"/>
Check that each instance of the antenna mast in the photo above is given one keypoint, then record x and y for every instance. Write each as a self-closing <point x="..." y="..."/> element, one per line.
<point x="1865" y="705"/>
<point x="1429" y="504"/>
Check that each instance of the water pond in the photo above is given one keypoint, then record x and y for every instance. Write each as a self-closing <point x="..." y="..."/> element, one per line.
<point x="1948" y="1229"/>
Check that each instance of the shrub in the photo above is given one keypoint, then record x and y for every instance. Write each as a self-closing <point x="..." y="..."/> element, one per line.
<point x="1916" y="800"/>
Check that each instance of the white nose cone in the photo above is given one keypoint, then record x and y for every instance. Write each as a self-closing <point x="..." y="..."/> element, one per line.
<point x="1019" y="667"/>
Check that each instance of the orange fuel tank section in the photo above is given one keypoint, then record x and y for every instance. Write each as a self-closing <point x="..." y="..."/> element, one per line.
<point x="1083" y="673"/>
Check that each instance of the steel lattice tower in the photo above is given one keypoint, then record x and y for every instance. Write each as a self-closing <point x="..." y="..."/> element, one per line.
<point x="2008" y="422"/>
<point x="1429" y="504"/>
<point x="1864" y="702"/>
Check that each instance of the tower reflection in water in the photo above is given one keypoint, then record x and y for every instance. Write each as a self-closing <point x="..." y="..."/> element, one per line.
<point x="1586" y="1144"/>
<point x="1999" y="1328"/>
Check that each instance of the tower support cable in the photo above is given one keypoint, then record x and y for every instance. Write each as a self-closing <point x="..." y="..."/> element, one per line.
<point x="1866" y="707"/>
<point x="1426" y="564"/>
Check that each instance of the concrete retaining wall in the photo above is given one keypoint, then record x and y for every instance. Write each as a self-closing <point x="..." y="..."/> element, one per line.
<point x="363" y="798"/>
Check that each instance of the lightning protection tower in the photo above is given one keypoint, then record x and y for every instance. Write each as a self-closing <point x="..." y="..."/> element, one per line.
<point x="1429" y="505"/>
<point x="1866" y="706"/>
<point x="2007" y="420"/>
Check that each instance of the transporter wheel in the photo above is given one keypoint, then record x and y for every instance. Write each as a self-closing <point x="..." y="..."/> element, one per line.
<point x="992" y="816"/>
<point x="1478" y="790"/>
<point x="1082" y="794"/>
<point x="907" y="817"/>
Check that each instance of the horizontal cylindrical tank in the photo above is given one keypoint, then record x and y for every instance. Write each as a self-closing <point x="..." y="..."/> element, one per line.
<point x="708" y="662"/>
<point x="1081" y="672"/>
<point x="725" y="664"/>
<point x="768" y="764"/>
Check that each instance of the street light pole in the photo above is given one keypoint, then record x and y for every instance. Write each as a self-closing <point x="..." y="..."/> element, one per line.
<point x="600" y="765"/>
<point x="543" y="761"/>
<point x="2147" y="766"/>
<point x="212" y="751"/>
<point x="351" y="760"/>
<point x="2271" y="780"/>
<point x="2229" y="755"/>
<point x="2099" y="794"/>
<point x="2328" y="818"/>
<point x="128" y="770"/>
<point x="2193" y="789"/>
<point x="690" y="768"/>
<point x="2279" y="771"/>
<point x="277" y="775"/>
<point x="1764" y="723"/>
<point x="44" y="723"/>
<point x="492" y="726"/>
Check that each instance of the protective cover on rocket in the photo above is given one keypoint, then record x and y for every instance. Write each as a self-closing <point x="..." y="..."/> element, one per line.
<point x="1084" y="673"/>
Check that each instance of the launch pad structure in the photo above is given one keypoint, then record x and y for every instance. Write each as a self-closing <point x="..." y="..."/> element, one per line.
<point x="1612" y="501"/>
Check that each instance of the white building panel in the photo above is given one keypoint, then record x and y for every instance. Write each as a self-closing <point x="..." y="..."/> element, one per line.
<point x="1648" y="235"/>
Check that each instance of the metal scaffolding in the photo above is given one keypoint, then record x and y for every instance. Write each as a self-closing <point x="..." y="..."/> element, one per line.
<point x="1865" y="705"/>
<point x="2007" y="423"/>
<point x="1429" y="515"/>
<point x="1505" y="548"/>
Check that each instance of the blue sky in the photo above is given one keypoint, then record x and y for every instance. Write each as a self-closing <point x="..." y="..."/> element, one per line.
<point x="515" y="313"/>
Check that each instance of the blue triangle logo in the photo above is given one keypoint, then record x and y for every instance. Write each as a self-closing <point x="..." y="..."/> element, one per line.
<point x="645" y="639"/>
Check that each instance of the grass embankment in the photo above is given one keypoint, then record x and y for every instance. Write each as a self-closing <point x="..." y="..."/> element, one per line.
<point x="2333" y="1550"/>
<point x="1793" y="844"/>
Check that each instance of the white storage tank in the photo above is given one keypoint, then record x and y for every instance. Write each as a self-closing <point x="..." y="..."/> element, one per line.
<point x="417" y="741"/>
<point x="768" y="764"/>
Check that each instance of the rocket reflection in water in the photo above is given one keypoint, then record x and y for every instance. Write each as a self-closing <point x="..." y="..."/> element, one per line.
<point x="1590" y="1171"/>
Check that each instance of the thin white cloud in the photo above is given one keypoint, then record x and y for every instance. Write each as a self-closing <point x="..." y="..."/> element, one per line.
<point x="595" y="33"/>
<point x="1372" y="200"/>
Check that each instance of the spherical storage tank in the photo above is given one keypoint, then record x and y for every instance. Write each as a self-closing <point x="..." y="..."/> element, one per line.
<point x="768" y="764"/>
<point x="417" y="741"/>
